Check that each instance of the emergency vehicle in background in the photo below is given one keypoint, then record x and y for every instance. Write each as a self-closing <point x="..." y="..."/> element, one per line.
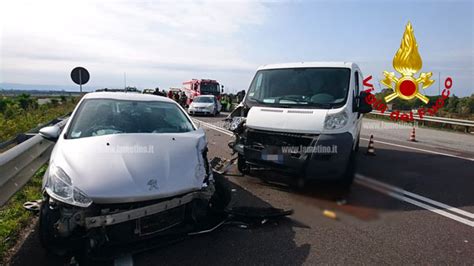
<point x="196" y="87"/>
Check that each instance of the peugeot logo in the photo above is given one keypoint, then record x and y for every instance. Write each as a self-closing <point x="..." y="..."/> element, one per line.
<point x="152" y="184"/>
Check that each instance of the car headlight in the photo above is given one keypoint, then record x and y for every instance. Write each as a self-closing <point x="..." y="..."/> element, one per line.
<point x="235" y="123"/>
<point x="336" y="121"/>
<point x="59" y="187"/>
<point x="210" y="107"/>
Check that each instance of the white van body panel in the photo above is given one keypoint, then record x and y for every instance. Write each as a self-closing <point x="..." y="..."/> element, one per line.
<point x="308" y="120"/>
<point x="287" y="120"/>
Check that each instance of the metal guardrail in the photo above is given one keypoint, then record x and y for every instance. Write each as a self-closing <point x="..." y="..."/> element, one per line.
<point x="436" y="119"/>
<point x="30" y="133"/>
<point x="18" y="164"/>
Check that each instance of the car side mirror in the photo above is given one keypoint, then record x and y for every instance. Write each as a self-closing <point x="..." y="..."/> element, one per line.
<point x="363" y="107"/>
<point x="50" y="133"/>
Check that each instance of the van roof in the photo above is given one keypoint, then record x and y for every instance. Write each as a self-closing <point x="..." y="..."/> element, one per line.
<point x="308" y="64"/>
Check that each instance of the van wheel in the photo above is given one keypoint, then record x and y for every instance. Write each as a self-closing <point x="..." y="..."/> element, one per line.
<point x="242" y="165"/>
<point x="222" y="196"/>
<point x="348" y="177"/>
<point x="357" y="144"/>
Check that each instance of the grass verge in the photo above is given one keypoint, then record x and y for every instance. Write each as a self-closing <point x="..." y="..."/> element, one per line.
<point x="13" y="217"/>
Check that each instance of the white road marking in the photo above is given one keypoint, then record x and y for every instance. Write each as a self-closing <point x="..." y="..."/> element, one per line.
<point x="211" y="126"/>
<point x="416" y="196"/>
<point x="398" y="193"/>
<point x="423" y="150"/>
<point x="367" y="182"/>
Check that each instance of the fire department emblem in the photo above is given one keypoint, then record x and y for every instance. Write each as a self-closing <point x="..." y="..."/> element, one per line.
<point x="407" y="62"/>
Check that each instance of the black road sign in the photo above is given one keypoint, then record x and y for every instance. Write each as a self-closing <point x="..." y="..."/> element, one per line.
<point x="80" y="75"/>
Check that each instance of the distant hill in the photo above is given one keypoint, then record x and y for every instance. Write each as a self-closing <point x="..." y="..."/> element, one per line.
<point x="19" y="86"/>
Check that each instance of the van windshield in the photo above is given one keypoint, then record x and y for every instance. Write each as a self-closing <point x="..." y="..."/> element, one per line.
<point x="300" y="87"/>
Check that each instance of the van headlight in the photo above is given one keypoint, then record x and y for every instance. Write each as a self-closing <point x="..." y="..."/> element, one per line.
<point x="336" y="121"/>
<point x="59" y="187"/>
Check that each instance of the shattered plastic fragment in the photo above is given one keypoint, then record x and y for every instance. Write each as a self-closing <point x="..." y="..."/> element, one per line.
<point x="329" y="214"/>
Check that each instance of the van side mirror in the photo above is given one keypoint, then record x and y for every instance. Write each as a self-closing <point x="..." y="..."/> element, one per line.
<point x="363" y="107"/>
<point x="50" y="133"/>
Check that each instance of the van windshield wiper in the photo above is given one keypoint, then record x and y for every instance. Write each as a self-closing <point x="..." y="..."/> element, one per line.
<point x="321" y="105"/>
<point x="291" y="98"/>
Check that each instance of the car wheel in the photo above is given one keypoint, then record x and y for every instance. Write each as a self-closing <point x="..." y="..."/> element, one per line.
<point x="242" y="165"/>
<point x="222" y="195"/>
<point x="47" y="235"/>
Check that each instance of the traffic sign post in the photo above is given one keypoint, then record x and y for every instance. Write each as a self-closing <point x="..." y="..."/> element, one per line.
<point x="80" y="76"/>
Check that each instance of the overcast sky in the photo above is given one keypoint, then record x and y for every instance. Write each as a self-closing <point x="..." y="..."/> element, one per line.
<point x="165" y="43"/>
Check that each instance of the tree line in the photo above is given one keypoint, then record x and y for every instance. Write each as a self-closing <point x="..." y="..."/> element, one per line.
<point x="461" y="106"/>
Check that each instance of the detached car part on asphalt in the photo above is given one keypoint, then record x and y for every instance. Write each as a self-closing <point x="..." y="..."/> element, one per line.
<point x="301" y="118"/>
<point x="126" y="167"/>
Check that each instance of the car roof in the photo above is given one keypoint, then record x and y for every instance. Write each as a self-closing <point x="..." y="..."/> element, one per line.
<point x="308" y="64"/>
<point x="207" y="96"/>
<point x="131" y="96"/>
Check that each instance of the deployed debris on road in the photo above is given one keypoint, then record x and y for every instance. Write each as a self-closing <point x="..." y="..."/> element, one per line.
<point x="222" y="166"/>
<point x="33" y="206"/>
<point x="330" y="214"/>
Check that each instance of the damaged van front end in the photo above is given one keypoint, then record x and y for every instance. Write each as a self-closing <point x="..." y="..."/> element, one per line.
<point x="303" y="119"/>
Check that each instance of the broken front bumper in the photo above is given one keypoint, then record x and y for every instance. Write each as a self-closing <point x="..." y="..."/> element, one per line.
<point x="134" y="214"/>
<point x="316" y="156"/>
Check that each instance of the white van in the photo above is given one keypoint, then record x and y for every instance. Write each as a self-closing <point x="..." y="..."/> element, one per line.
<point x="303" y="118"/>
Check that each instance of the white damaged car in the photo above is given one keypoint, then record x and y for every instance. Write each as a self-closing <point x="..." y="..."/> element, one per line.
<point x="126" y="167"/>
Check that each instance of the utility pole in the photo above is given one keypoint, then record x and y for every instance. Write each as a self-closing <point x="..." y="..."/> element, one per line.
<point x="439" y="83"/>
<point x="124" y="80"/>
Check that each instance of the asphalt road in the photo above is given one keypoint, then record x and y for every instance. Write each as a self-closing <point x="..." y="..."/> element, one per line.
<point x="411" y="203"/>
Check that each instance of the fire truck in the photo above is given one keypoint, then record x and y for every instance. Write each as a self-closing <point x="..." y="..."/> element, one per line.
<point x="196" y="87"/>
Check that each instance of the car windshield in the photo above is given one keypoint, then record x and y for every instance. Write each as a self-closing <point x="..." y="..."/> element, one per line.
<point x="203" y="100"/>
<point x="96" y="117"/>
<point x="301" y="87"/>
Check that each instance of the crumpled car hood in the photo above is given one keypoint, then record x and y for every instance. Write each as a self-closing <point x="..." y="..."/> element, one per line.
<point x="133" y="167"/>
